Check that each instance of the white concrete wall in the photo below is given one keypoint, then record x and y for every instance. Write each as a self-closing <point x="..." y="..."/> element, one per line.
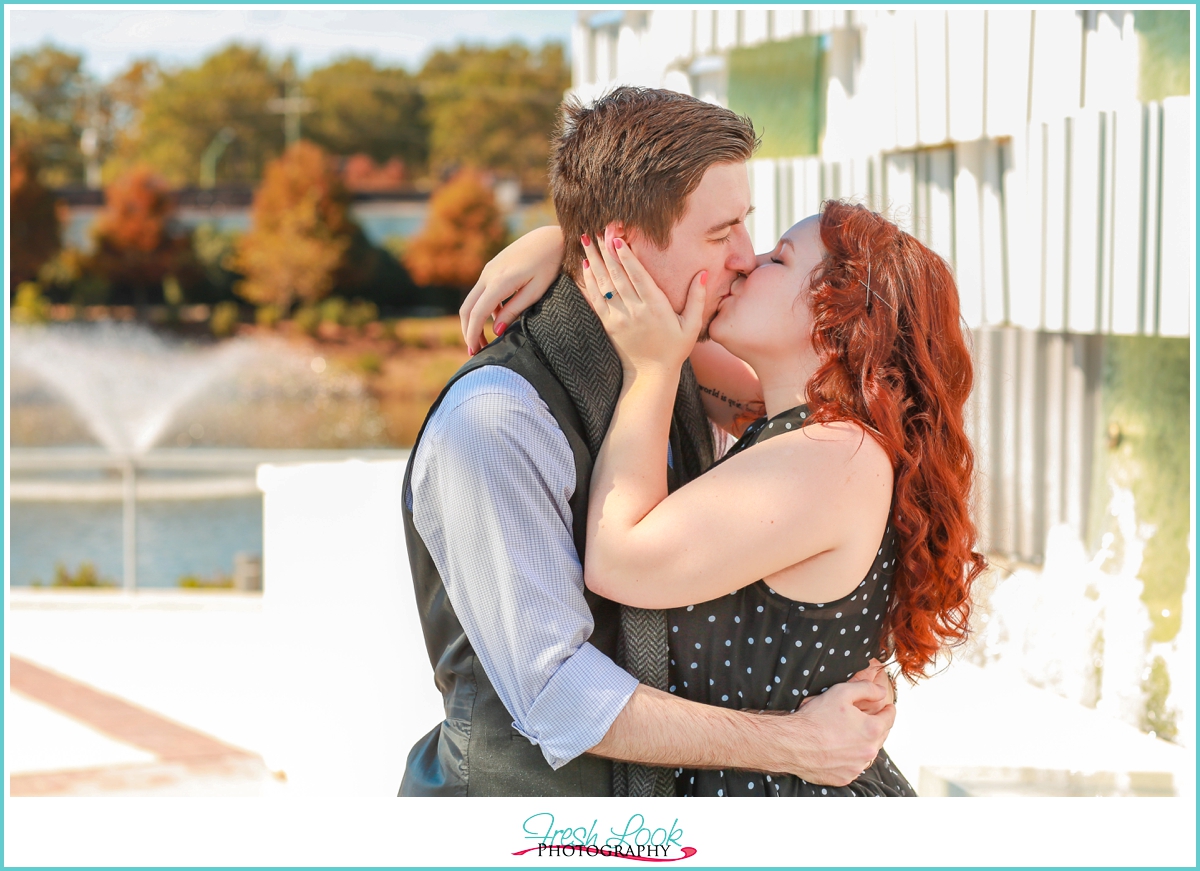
<point x="351" y="682"/>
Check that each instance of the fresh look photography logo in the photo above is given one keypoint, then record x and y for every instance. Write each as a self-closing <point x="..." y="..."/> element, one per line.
<point x="634" y="839"/>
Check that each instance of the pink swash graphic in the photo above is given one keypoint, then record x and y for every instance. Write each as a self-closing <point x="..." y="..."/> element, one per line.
<point x="688" y="852"/>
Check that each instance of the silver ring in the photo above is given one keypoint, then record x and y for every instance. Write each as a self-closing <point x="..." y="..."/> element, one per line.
<point x="608" y="295"/>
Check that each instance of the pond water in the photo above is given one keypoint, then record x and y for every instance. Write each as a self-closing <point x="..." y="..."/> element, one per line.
<point x="381" y="221"/>
<point x="86" y="398"/>
<point x="175" y="538"/>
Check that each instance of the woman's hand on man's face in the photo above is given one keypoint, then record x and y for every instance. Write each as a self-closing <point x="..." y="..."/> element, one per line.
<point x="646" y="332"/>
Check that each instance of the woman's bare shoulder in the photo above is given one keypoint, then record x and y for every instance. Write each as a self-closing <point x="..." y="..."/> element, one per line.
<point x="839" y="454"/>
<point x="839" y="438"/>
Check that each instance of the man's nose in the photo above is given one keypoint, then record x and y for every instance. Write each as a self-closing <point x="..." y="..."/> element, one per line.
<point x="741" y="251"/>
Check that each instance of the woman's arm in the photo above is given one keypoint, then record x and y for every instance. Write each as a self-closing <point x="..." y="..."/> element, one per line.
<point x="791" y="498"/>
<point x="520" y="274"/>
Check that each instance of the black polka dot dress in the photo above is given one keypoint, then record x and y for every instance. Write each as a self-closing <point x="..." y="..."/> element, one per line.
<point x="759" y="650"/>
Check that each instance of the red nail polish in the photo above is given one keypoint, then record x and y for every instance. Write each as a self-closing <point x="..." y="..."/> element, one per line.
<point x="470" y="352"/>
<point x="586" y="264"/>
<point x="617" y="243"/>
<point x="585" y="240"/>
<point x="704" y="277"/>
<point x="499" y="329"/>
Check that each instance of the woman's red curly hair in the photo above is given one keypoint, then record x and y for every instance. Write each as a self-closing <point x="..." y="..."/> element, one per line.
<point x="894" y="359"/>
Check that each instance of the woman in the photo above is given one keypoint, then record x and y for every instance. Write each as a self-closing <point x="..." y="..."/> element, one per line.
<point x="843" y="533"/>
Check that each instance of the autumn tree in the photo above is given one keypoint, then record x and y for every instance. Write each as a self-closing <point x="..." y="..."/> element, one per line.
<point x="35" y="225"/>
<point x="494" y="108"/>
<point x="359" y="107"/>
<point x="463" y="231"/>
<point x="301" y="231"/>
<point x="187" y="108"/>
<point x="48" y="103"/>
<point x="137" y="243"/>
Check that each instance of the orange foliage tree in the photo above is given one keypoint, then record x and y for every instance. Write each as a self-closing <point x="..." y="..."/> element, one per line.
<point x="300" y="234"/>
<point x="464" y="230"/>
<point x="137" y="243"/>
<point x="35" y="225"/>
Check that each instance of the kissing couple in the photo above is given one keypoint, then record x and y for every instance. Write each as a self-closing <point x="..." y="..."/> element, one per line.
<point x="676" y="530"/>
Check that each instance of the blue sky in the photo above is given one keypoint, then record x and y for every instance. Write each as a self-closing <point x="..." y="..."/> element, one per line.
<point x="110" y="38"/>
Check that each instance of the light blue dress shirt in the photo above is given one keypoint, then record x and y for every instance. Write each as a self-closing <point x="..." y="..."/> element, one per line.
<point x="491" y="482"/>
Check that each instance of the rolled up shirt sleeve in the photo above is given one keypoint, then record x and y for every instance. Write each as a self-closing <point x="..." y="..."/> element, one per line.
<point x="491" y="484"/>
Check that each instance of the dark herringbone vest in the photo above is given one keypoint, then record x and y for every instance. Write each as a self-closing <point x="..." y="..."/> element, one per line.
<point x="561" y="349"/>
<point x="476" y="750"/>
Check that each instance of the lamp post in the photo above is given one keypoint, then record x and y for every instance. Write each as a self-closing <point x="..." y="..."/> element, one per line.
<point x="89" y="139"/>
<point x="291" y="108"/>
<point x="129" y="524"/>
<point x="292" y="105"/>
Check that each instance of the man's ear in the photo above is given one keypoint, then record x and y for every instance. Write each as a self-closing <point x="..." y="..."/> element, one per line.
<point x="614" y="230"/>
<point x="619" y="229"/>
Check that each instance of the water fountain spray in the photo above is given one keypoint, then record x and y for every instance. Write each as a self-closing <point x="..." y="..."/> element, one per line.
<point x="126" y="384"/>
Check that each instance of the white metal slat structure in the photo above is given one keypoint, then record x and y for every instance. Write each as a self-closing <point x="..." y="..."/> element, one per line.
<point x="1080" y="225"/>
<point x="1011" y="142"/>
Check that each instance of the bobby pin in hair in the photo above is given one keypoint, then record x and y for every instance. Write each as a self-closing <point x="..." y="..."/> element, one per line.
<point x="867" y="285"/>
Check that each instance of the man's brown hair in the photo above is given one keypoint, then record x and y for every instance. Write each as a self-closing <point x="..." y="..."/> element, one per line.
<point x="635" y="155"/>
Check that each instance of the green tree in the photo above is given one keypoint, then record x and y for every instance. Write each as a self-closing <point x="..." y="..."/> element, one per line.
<point x="463" y="232"/>
<point x="35" y="226"/>
<point x="69" y="277"/>
<point x="301" y="231"/>
<point x="137" y="243"/>
<point x="187" y="108"/>
<point x="215" y="251"/>
<point x="30" y="306"/>
<point x="361" y="107"/>
<point x="48" y="101"/>
<point x="121" y="104"/>
<point x="494" y="108"/>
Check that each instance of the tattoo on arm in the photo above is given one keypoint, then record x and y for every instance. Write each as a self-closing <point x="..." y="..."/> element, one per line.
<point x="744" y="413"/>
<point x="728" y="400"/>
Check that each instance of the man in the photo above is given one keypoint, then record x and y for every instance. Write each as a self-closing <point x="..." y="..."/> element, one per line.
<point x="496" y="499"/>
